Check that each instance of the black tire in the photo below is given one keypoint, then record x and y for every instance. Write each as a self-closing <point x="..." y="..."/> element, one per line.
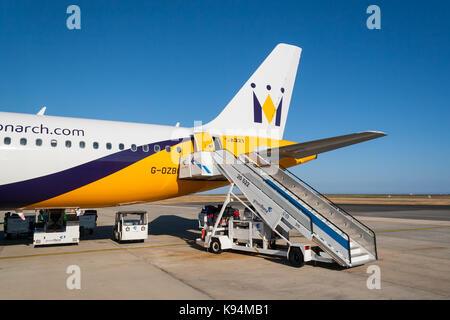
<point x="215" y="246"/>
<point x="296" y="257"/>
<point x="273" y="245"/>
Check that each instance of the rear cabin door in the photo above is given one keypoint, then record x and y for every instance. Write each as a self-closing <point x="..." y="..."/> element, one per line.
<point x="203" y="141"/>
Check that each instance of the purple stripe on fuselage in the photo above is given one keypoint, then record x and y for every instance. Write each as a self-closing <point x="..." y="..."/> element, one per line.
<point x="23" y="193"/>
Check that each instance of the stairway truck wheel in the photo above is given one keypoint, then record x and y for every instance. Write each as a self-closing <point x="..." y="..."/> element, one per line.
<point x="215" y="246"/>
<point x="296" y="257"/>
<point x="273" y="244"/>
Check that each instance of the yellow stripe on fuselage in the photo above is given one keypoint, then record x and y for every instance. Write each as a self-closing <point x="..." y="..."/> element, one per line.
<point x="150" y="179"/>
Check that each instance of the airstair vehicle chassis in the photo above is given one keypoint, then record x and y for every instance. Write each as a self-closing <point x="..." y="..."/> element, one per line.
<point x="283" y="202"/>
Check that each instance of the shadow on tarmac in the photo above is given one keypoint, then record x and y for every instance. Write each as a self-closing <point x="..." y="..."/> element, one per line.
<point x="163" y="225"/>
<point x="176" y="226"/>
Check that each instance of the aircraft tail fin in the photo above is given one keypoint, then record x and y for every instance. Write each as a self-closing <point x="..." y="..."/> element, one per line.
<point x="261" y="106"/>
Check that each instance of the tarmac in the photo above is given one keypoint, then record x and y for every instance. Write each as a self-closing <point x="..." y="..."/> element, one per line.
<point x="413" y="247"/>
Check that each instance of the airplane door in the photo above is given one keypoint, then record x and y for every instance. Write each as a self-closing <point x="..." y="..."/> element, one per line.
<point x="203" y="142"/>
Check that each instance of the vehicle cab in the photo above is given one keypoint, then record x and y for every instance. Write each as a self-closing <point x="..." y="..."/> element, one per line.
<point x="130" y="225"/>
<point x="54" y="226"/>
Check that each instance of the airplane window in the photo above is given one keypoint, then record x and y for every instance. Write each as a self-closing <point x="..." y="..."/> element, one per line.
<point x="179" y="149"/>
<point x="95" y="145"/>
<point x="145" y="148"/>
<point x="157" y="148"/>
<point x="168" y="148"/>
<point x="23" y="141"/>
<point x="7" y="140"/>
<point x="121" y="146"/>
<point x="53" y="142"/>
<point x="133" y="148"/>
<point x="82" y="144"/>
<point x="39" y="142"/>
<point x="108" y="146"/>
<point x="68" y="143"/>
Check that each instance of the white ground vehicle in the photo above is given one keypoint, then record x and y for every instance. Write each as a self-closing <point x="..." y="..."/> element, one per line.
<point x="130" y="225"/>
<point x="56" y="227"/>
<point x="13" y="225"/>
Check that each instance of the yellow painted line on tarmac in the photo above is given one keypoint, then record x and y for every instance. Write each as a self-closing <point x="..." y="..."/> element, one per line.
<point x="429" y="248"/>
<point x="416" y="229"/>
<point x="91" y="251"/>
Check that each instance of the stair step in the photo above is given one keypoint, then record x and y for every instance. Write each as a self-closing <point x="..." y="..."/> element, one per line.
<point x="359" y="254"/>
<point x="355" y="252"/>
<point x="361" y="259"/>
<point x="353" y="245"/>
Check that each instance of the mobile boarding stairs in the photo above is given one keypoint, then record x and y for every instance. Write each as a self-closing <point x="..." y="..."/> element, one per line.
<point x="282" y="202"/>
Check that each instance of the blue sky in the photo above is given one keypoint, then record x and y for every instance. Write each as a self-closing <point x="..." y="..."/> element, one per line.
<point x="169" y="61"/>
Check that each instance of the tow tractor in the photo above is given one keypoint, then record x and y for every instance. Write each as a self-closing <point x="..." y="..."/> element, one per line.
<point x="130" y="226"/>
<point x="225" y="228"/>
<point x="55" y="226"/>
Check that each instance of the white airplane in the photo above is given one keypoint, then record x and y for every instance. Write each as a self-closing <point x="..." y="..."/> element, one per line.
<point x="58" y="162"/>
